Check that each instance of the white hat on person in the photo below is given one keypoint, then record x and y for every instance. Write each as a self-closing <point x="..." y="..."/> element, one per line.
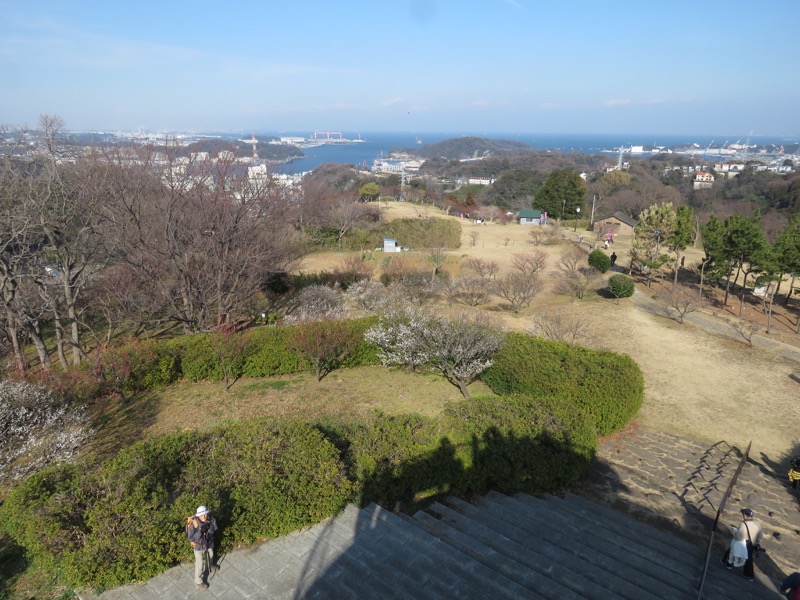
<point x="201" y="510"/>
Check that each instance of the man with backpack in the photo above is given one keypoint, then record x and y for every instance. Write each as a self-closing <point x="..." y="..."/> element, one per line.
<point x="746" y="541"/>
<point x="200" y="530"/>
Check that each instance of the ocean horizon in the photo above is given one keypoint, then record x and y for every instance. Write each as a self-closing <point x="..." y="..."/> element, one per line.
<point x="376" y="145"/>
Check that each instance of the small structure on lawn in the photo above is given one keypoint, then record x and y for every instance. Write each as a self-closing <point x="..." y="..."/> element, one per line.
<point x="617" y="223"/>
<point x="390" y="245"/>
<point x="531" y="217"/>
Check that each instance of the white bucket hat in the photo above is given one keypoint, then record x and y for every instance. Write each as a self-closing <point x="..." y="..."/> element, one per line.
<point x="201" y="510"/>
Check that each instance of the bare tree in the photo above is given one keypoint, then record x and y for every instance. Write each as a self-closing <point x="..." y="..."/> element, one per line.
<point x="578" y="283"/>
<point x="417" y="288"/>
<point x="345" y="214"/>
<point x="537" y="235"/>
<point x="485" y="269"/>
<point x="324" y="343"/>
<point x="471" y="291"/>
<point x="529" y="263"/>
<point x="229" y="346"/>
<point x="572" y="329"/>
<point x="744" y="329"/>
<point x="518" y="289"/>
<point x="681" y="301"/>
<point x="571" y="261"/>
<point x="207" y="236"/>
<point x="473" y="238"/>
<point x="437" y="254"/>
<point x="352" y="269"/>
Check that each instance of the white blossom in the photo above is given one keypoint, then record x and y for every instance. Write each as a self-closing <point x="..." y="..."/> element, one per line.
<point x="36" y="428"/>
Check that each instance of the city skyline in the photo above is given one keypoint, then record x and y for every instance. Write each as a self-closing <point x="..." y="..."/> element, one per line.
<point x="493" y="66"/>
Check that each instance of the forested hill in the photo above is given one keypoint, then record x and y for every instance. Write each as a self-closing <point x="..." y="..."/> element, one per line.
<point x="469" y="147"/>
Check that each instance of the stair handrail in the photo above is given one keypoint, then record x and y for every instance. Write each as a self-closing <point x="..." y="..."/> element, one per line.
<point x="720" y="510"/>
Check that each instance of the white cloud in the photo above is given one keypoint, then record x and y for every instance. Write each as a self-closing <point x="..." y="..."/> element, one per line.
<point x="395" y="101"/>
<point x="617" y="102"/>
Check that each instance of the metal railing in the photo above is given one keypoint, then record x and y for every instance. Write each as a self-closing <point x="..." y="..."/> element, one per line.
<point x="720" y="510"/>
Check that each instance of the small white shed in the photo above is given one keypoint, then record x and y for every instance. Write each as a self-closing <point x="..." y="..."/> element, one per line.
<point x="390" y="245"/>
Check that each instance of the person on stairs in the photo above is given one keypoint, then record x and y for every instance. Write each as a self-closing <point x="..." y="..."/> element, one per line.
<point x="746" y="540"/>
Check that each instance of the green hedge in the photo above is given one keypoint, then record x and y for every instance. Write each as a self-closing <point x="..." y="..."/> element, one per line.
<point x="265" y="352"/>
<point x="124" y="520"/>
<point x="621" y="286"/>
<point x="521" y="443"/>
<point x="608" y="386"/>
<point x="515" y="443"/>
<point x="425" y="233"/>
<point x="599" y="260"/>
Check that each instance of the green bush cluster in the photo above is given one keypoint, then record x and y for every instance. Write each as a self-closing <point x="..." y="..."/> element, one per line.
<point x="123" y="521"/>
<point x="621" y="286"/>
<point x="513" y="443"/>
<point x="599" y="260"/>
<point x="425" y="233"/>
<point x="608" y="386"/>
<point x="265" y="352"/>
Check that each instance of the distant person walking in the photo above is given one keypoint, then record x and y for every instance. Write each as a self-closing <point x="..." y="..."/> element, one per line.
<point x="613" y="258"/>
<point x="200" y="530"/>
<point x="746" y="539"/>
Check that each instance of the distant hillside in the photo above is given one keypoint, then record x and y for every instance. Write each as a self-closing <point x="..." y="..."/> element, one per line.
<point x="469" y="147"/>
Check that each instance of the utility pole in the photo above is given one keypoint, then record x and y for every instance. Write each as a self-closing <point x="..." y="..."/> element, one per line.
<point x="591" y="218"/>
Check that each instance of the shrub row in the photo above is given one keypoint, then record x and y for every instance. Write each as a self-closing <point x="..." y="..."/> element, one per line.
<point x="607" y="386"/>
<point x="425" y="233"/>
<point x="123" y="519"/>
<point x="134" y="366"/>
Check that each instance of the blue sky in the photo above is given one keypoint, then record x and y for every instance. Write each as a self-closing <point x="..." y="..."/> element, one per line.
<point x="479" y="66"/>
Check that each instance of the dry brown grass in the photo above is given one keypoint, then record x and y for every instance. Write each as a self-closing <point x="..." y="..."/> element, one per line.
<point x="698" y="383"/>
<point x="346" y="393"/>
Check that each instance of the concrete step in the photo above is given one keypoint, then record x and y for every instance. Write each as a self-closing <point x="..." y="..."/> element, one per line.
<point x="461" y="574"/>
<point x="557" y="576"/>
<point x="680" y="559"/>
<point x="627" y="575"/>
<point x="637" y="536"/>
<point x="501" y="554"/>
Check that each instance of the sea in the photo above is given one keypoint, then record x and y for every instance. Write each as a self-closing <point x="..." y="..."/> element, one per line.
<point x="378" y="145"/>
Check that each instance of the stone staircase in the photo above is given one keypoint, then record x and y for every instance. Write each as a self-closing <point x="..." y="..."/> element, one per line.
<point x="677" y="485"/>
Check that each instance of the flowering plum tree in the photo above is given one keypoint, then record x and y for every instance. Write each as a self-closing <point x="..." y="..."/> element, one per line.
<point x="459" y="349"/>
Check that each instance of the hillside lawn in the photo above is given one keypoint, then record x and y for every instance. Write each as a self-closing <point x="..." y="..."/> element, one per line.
<point x="699" y="383"/>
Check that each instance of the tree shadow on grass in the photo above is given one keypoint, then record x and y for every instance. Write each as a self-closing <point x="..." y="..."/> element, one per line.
<point x="12" y="565"/>
<point x="119" y="423"/>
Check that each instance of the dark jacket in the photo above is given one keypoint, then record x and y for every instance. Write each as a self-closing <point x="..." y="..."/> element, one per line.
<point x="201" y="535"/>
